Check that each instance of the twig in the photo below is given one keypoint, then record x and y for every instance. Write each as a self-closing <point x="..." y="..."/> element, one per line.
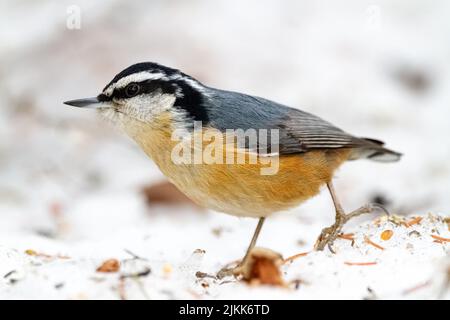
<point x="441" y="239"/>
<point x="347" y="236"/>
<point x="31" y="252"/>
<point x="135" y="256"/>
<point x="360" y="263"/>
<point x="368" y="241"/>
<point x="142" y="273"/>
<point x="292" y="258"/>
<point x="412" y="222"/>
<point x="417" y="287"/>
<point x="121" y="289"/>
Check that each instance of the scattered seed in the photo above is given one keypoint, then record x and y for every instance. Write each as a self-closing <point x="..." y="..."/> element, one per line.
<point x="167" y="269"/>
<point x="31" y="252"/>
<point x="386" y="235"/>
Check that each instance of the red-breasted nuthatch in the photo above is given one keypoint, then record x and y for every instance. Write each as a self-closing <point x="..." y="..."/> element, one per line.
<point x="150" y="102"/>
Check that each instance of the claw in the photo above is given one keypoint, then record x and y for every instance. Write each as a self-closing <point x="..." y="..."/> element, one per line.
<point x="379" y="206"/>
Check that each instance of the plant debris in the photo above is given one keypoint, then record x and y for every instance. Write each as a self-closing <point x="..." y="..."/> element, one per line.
<point x="34" y="253"/>
<point x="263" y="268"/>
<point x="386" y="235"/>
<point x="360" y="263"/>
<point x="347" y="236"/>
<point x="440" y="239"/>
<point x="447" y="221"/>
<point x="412" y="222"/>
<point x="368" y="241"/>
<point x="110" y="265"/>
<point x="139" y="274"/>
<point x="295" y="256"/>
<point x="416" y="287"/>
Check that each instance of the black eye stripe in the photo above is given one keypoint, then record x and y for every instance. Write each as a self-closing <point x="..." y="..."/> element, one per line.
<point x="145" y="87"/>
<point x="188" y="98"/>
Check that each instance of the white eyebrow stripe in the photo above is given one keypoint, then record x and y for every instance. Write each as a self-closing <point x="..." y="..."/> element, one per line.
<point x="193" y="83"/>
<point x="136" y="77"/>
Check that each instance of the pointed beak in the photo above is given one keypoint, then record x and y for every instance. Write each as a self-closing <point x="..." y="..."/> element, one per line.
<point x="91" y="103"/>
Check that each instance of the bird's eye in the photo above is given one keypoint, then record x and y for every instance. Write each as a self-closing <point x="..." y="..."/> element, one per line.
<point x="132" y="89"/>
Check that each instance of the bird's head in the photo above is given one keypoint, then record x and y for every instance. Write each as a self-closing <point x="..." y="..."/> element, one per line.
<point x="144" y="91"/>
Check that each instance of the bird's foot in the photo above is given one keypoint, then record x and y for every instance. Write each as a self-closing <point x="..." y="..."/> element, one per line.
<point x="228" y="272"/>
<point x="329" y="234"/>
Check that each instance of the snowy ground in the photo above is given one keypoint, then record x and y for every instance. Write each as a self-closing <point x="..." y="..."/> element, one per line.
<point x="70" y="186"/>
<point x="410" y="265"/>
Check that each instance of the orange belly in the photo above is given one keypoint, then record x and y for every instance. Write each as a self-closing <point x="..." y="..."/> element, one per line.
<point x="240" y="189"/>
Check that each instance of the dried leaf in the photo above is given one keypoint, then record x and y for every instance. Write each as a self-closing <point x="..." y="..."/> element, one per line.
<point x="110" y="265"/>
<point x="263" y="267"/>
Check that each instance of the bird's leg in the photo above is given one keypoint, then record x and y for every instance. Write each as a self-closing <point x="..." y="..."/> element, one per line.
<point x="330" y="234"/>
<point x="224" y="272"/>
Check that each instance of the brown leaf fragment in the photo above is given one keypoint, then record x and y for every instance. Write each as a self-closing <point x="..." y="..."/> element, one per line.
<point x="110" y="265"/>
<point x="263" y="268"/>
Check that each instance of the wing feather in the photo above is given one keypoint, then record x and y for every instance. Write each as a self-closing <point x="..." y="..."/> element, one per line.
<point x="299" y="131"/>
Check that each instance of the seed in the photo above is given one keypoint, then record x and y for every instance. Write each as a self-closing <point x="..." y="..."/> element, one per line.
<point x="386" y="235"/>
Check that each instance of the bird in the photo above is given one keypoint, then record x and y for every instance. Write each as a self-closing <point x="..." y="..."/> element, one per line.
<point x="151" y="102"/>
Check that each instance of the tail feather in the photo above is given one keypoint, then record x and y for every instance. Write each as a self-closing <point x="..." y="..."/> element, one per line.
<point x="373" y="149"/>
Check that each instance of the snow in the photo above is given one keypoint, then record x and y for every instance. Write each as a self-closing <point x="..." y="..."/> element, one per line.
<point x="70" y="185"/>
<point x="411" y="265"/>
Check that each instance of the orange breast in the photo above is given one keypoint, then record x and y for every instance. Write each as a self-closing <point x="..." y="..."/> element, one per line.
<point x="240" y="189"/>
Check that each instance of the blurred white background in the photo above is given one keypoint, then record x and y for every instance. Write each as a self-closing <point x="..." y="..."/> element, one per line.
<point x="377" y="69"/>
